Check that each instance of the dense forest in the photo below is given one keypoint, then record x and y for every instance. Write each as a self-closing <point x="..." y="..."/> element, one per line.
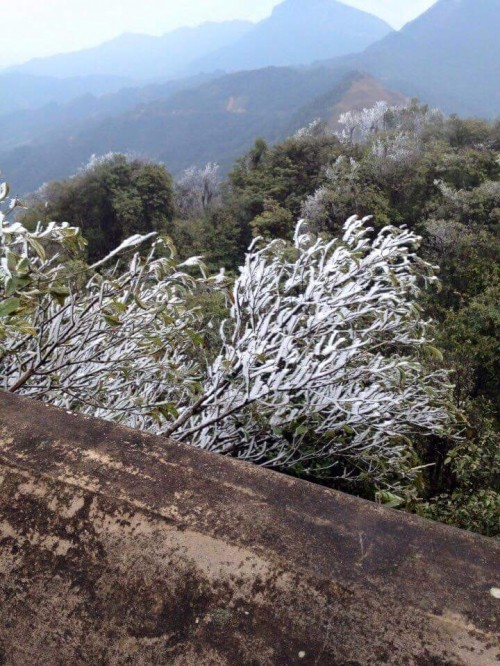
<point x="329" y="350"/>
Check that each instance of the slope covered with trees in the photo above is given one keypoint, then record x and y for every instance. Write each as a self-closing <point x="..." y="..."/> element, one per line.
<point x="217" y="120"/>
<point x="29" y="125"/>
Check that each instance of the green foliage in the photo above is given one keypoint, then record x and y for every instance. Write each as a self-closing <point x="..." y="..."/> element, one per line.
<point x="212" y="306"/>
<point x="473" y="499"/>
<point x="283" y="176"/>
<point x="31" y="270"/>
<point x="111" y="199"/>
<point x="215" y="235"/>
<point x="274" y="222"/>
<point x="470" y="337"/>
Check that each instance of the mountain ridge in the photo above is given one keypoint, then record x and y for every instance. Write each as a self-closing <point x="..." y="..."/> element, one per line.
<point x="448" y="56"/>
<point x="25" y="91"/>
<point x="22" y="125"/>
<point x="299" y="32"/>
<point x="216" y="121"/>
<point x="138" y="56"/>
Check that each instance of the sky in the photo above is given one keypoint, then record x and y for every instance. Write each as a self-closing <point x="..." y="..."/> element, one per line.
<point x="36" y="28"/>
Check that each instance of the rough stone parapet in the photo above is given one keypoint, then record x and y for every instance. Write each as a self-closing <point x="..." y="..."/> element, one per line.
<point x="119" y="548"/>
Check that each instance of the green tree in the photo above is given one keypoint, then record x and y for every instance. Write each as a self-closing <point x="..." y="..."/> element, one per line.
<point x="110" y="199"/>
<point x="470" y="495"/>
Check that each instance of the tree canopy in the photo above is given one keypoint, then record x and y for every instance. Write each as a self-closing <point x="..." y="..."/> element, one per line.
<point x="111" y="198"/>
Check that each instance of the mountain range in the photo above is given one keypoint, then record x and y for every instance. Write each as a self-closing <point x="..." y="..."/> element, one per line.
<point x="141" y="57"/>
<point x="299" y="32"/>
<point x="20" y="91"/>
<point x="296" y="33"/>
<point x="448" y="57"/>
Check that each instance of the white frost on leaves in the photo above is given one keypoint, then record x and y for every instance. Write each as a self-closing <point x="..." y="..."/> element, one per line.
<point x="116" y="345"/>
<point x="4" y="191"/>
<point x="128" y="244"/>
<point x="323" y="363"/>
<point x="362" y="126"/>
<point x="320" y="361"/>
<point x="317" y="127"/>
<point x="198" y="189"/>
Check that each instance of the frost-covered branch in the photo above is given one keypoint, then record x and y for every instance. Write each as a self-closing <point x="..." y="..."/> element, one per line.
<point x="322" y="365"/>
<point x="198" y="189"/>
<point x="362" y="126"/>
<point x="325" y="360"/>
<point x="112" y="344"/>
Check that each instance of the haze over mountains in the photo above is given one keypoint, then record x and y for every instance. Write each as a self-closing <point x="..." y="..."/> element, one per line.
<point x="448" y="57"/>
<point x="27" y="91"/>
<point x="299" y="32"/>
<point x="141" y="57"/>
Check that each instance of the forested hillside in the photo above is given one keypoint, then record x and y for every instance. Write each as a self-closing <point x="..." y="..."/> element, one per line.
<point x="362" y="354"/>
<point x="30" y="126"/>
<point x="217" y="120"/>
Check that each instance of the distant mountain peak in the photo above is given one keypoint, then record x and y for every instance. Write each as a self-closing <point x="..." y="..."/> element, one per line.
<point x="139" y="56"/>
<point x="300" y="32"/>
<point x="445" y="9"/>
<point x="330" y="8"/>
<point x="448" y="56"/>
<point x="308" y="5"/>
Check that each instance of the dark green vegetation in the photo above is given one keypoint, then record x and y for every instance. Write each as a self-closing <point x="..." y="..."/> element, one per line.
<point x="439" y="176"/>
<point x="109" y="201"/>
<point x="448" y="189"/>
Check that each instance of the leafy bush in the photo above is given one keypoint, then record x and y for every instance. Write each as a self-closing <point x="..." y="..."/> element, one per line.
<point x="324" y="341"/>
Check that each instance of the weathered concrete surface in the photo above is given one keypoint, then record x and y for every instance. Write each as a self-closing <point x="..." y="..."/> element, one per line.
<point x="120" y="548"/>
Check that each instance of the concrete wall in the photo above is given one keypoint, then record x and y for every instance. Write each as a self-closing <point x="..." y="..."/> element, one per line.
<point x="120" y="548"/>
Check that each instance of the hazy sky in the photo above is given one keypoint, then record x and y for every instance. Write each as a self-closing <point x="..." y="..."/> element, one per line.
<point x="33" y="28"/>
